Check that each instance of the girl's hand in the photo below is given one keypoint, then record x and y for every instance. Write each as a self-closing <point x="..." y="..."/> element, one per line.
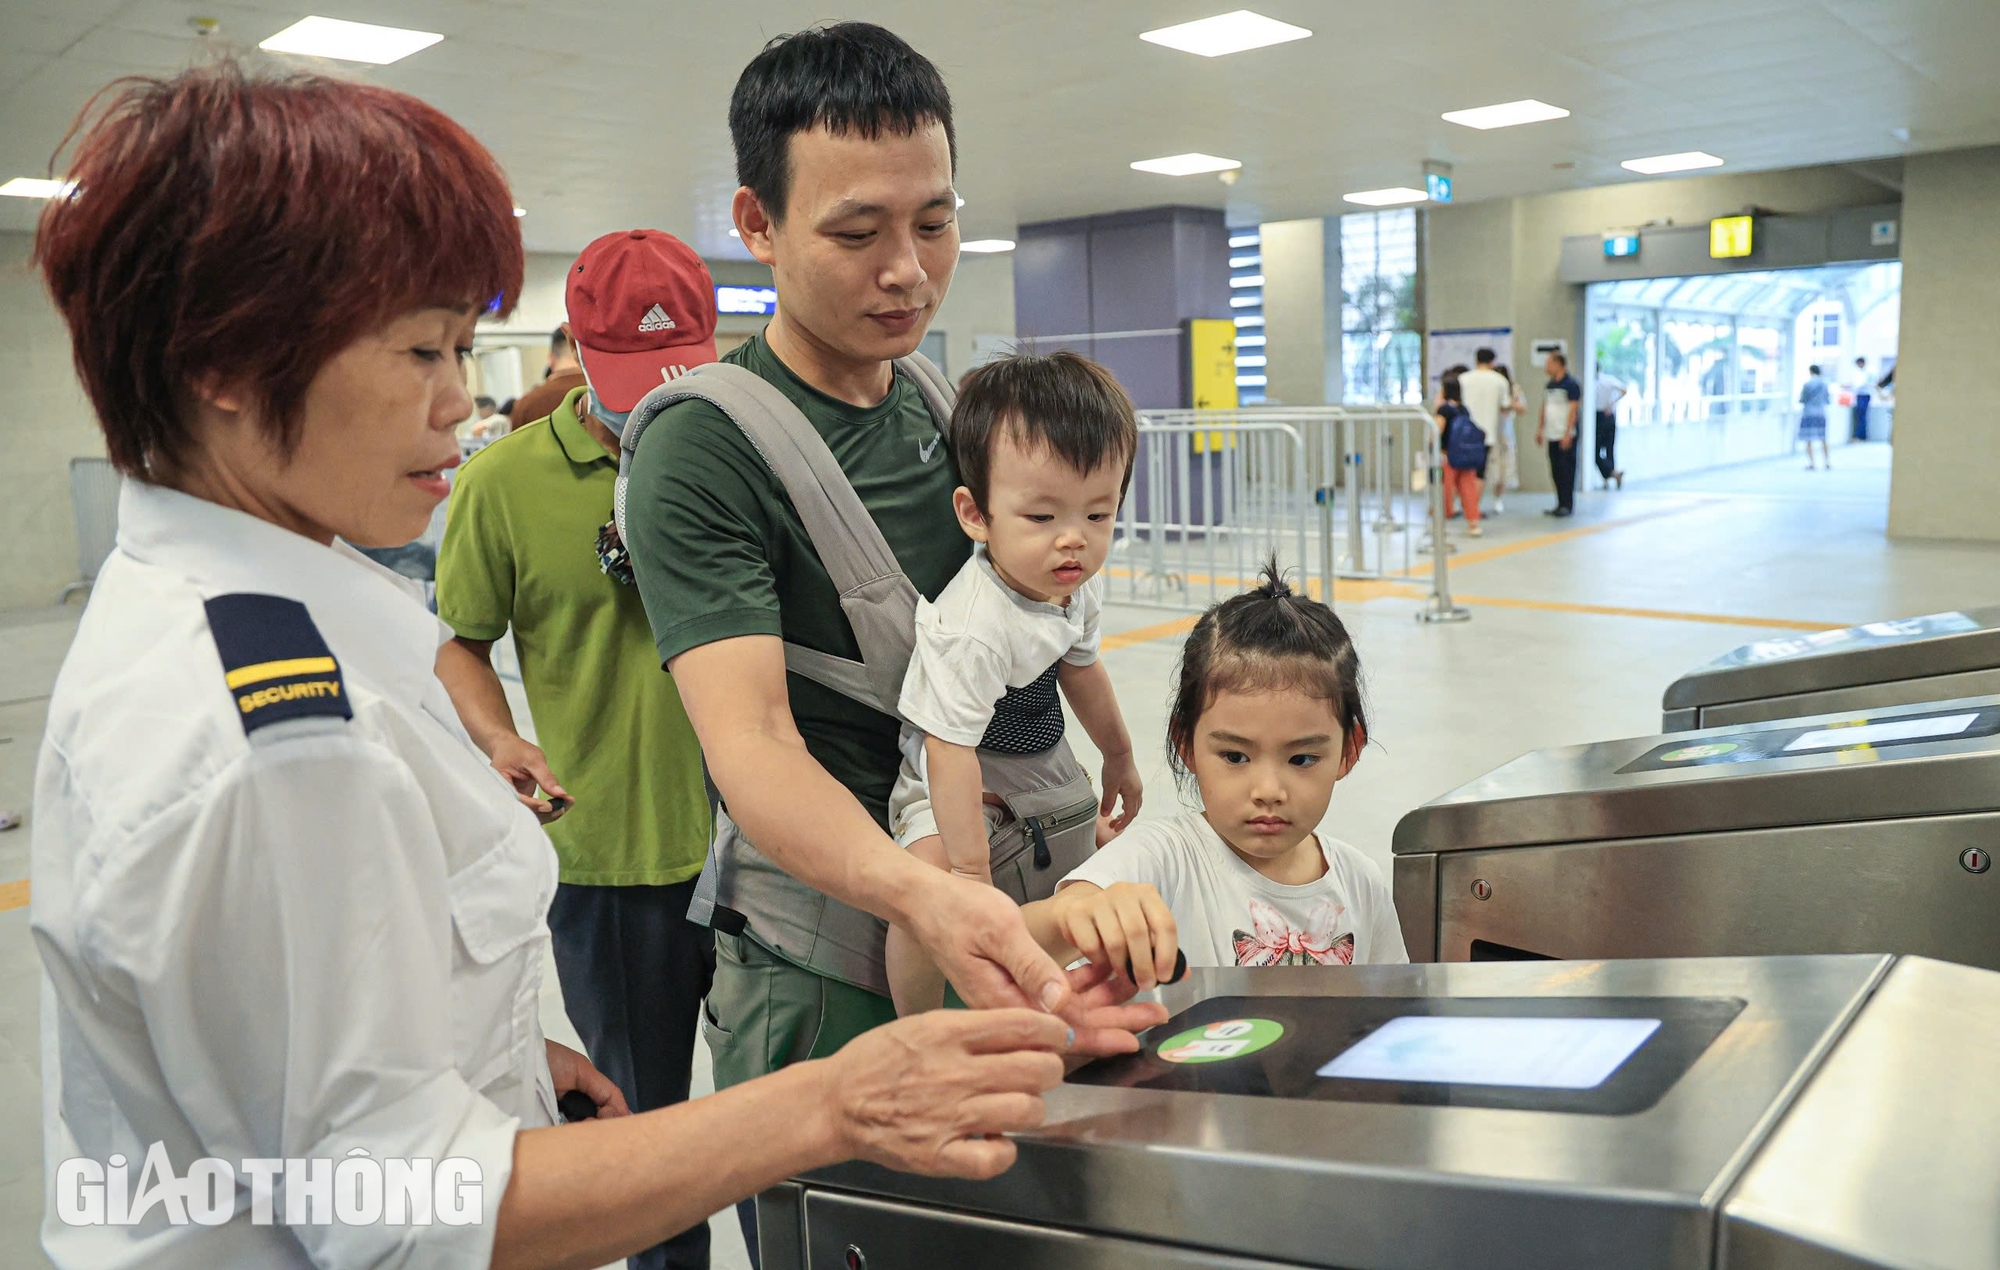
<point x="1121" y="791"/>
<point x="1124" y="924"/>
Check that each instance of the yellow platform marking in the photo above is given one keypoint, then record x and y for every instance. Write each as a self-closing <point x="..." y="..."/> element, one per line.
<point x="13" y="895"/>
<point x="1147" y="634"/>
<point x="1500" y="551"/>
<point x="279" y="670"/>
<point x="1364" y="590"/>
<point x="1658" y="615"/>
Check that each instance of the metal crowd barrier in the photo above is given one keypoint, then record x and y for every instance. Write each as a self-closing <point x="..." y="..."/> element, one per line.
<point x="93" y="496"/>
<point x="1216" y="493"/>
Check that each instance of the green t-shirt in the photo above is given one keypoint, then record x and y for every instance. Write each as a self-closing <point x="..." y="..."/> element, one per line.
<point x="720" y="552"/>
<point x="520" y="550"/>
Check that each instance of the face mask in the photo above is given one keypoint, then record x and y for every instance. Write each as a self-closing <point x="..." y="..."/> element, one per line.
<point x="612" y="419"/>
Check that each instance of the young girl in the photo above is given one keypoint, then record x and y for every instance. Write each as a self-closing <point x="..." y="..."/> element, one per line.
<point x="1266" y="718"/>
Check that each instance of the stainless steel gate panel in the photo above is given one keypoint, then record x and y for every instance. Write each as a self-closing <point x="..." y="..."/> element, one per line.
<point x="1972" y="683"/>
<point x="1891" y="1156"/>
<point x="1580" y="794"/>
<point x="850" y="1232"/>
<point x="1906" y="659"/>
<point x="1401" y="1186"/>
<point x="1414" y="881"/>
<point x="1670" y="846"/>
<point x="1854" y="887"/>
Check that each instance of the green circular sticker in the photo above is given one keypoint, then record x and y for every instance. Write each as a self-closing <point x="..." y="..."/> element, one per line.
<point x="1689" y="753"/>
<point x="1214" y="1042"/>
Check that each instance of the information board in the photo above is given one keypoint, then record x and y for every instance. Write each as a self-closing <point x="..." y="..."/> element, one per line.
<point x="1731" y="236"/>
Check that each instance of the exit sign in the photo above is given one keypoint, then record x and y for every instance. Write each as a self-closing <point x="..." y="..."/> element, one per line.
<point x="1616" y="245"/>
<point x="1730" y="236"/>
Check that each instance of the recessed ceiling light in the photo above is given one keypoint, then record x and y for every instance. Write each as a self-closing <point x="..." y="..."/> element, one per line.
<point x="985" y="245"/>
<point x="349" y="41"/>
<point x="520" y="211"/>
<point x="736" y="233"/>
<point x="1506" y="114"/>
<point x="1686" y="161"/>
<point x="961" y="202"/>
<point x="1186" y="164"/>
<point x="1226" y="33"/>
<point x="36" y="187"/>
<point x="1387" y="198"/>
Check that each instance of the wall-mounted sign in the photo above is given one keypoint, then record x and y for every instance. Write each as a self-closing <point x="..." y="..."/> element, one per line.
<point x="1882" y="233"/>
<point x="1437" y="180"/>
<point x="1211" y="345"/>
<point x="1730" y="236"/>
<point x="761" y="301"/>
<point x="1616" y="245"/>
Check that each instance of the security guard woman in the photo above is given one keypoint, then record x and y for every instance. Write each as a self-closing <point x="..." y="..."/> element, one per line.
<point x="288" y="914"/>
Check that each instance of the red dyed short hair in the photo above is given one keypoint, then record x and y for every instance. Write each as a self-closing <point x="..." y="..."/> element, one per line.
<point x="233" y="228"/>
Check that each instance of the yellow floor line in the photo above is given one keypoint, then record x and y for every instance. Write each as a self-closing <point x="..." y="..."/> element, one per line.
<point x="1502" y="550"/>
<point x="1662" y="615"/>
<point x="13" y="895"/>
<point x="1147" y="634"/>
<point x="1362" y="592"/>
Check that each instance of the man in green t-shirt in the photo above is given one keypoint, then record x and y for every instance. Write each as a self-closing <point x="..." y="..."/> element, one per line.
<point x="521" y="551"/>
<point x="845" y="155"/>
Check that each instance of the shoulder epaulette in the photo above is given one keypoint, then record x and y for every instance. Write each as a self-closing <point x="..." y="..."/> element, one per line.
<point x="274" y="660"/>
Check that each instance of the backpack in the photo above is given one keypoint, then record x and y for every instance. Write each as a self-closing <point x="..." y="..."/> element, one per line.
<point x="1052" y="809"/>
<point x="1464" y="443"/>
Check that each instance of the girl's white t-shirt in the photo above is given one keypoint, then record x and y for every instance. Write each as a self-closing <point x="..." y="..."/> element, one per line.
<point x="1229" y="914"/>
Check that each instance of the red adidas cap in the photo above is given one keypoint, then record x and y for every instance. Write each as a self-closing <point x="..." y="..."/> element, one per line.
<point x="642" y="310"/>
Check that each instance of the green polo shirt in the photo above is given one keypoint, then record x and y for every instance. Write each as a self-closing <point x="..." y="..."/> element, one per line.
<point x="720" y="552"/>
<point x="520" y="551"/>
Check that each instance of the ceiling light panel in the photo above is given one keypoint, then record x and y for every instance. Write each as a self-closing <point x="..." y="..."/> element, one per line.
<point x="35" y="187"/>
<point x="1507" y="114"/>
<point x="1186" y="164"/>
<point x="1686" y="161"/>
<point x="349" y="41"/>
<point x="1226" y="33"/>
<point x="986" y="246"/>
<point x="1387" y="198"/>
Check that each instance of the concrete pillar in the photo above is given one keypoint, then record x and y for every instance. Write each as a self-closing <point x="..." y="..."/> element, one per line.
<point x="1295" y="331"/>
<point x="1117" y="288"/>
<point x="1947" y="451"/>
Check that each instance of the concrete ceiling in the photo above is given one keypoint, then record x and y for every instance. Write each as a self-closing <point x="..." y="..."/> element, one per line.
<point x="612" y="114"/>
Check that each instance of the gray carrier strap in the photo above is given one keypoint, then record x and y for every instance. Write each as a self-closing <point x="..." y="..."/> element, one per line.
<point x="1051" y="809"/>
<point x="742" y="888"/>
<point x="879" y="601"/>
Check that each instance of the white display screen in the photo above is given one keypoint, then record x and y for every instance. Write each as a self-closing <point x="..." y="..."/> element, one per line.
<point x="753" y="300"/>
<point x="1525" y="1053"/>
<point x="1877" y="733"/>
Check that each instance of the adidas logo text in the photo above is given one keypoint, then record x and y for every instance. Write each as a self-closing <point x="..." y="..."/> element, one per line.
<point x="656" y="319"/>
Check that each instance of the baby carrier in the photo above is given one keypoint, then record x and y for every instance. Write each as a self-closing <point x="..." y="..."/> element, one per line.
<point x="1051" y="810"/>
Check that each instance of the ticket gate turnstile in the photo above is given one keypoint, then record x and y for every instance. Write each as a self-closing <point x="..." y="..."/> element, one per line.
<point x="1938" y="657"/>
<point x="1799" y="1113"/>
<point x="1866" y="832"/>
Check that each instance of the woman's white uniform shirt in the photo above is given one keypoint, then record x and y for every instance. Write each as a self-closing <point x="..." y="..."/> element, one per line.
<point x="274" y="928"/>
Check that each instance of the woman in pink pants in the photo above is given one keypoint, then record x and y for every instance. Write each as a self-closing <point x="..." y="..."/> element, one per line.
<point x="1461" y="483"/>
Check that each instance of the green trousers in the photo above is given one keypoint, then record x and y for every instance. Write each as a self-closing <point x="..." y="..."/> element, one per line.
<point x="764" y="1013"/>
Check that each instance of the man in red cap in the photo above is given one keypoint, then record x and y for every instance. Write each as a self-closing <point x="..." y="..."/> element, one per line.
<point x="629" y="815"/>
<point x="641" y="310"/>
